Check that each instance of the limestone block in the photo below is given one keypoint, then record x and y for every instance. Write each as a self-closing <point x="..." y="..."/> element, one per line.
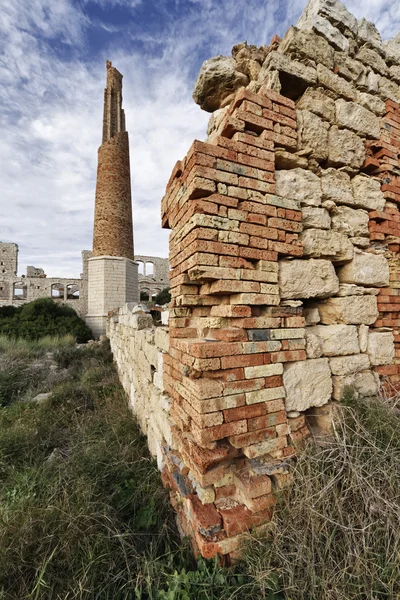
<point x="353" y="116"/>
<point x="218" y="78"/>
<point x="350" y="289"/>
<point x="311" y="316"/>
<point x="394" y="72"/>
<point x="323" y="27"/>
<point x="313" y="344"/>
<point x="316" y="218"/>
<point x="279" y="62"/>
<point x="392" y="49"/>
<point x="368" y="33"/>
<point x="319" y="243"/>
<point x="307" y="279"/>
<point x="372" y="59"/>
<point x="336" y="187"/>
<point x="372" y="83"/>
<point x="335" y="83"/>
<point x="363" y="337"/>
<point x="345" y="365"/>
<point x="161" y="339"/>
<point x="307" y="383"/>
<point x="287" y="160"/>
<point x="140" y="321"/>
<point x="372" y="103"/>
<point x="216" y="119"/>
<point x="345" y="149"/>
<point x="350" y="221"/>
<point x="307" y="44"/>
<point x="298" y="184"/>
<point x="362" y="384"/>
<point x="388" y="90"/>
<point x="367" y="193"/>
<point x="334" y="11"/>
<point x="352" y="310"/>
<point x="317" y="102"/>
<point x="312" y="135"/>
<point x="366" y="269"/>
<point x="165" y="317"/>
<point x="336" y="340"/>
<point x="381" y="349"/>
<point x="350" y="69"/>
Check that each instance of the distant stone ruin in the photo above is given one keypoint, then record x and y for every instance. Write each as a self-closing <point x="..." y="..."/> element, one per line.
<point x="285" y="280"/>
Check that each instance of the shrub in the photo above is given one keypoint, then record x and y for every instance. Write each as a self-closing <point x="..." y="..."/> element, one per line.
<point x="163" y="297"/>
<point x="40" y="318"/>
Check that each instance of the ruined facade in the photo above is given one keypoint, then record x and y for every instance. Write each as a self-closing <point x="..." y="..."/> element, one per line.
<point x="153" y="275"/>
<point x="284" y="274"/>
<point x="112" y="271"/>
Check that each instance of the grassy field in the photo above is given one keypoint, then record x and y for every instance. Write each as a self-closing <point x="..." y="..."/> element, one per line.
<point x="83" y="514"/>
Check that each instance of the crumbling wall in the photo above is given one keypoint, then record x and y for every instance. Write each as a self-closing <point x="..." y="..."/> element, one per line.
<point x="284" y="258"/>
<point x="139" y="349"/>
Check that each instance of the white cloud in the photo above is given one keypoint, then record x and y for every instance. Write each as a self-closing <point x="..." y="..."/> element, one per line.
<point x="52" y="111"/>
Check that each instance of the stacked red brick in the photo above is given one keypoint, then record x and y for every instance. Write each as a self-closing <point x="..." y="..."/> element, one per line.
<point x="229" y="336"/>
<point x="384" y="163"/>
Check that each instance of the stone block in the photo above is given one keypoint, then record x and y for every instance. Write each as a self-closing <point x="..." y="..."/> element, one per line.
<point x="372" y="103"/>
<point x="367" y="193"/>
<point x="323" y="27"/>
<point x="218" y="78"/>
<point x="319" y="243"/>
<point x="307" y="383"/>
<point x="392" y="49"/>
<point x="363" y="337"/>
<point x="352" y="222"/>
<point x="316" y="218"/>
<point x="311" y="316"/>
<point x="277" y="61"/>
<point x="333" y="10"/>
<point x="368" y="34"/>
<point x="307" y="279"/>
<point x="307" y="44"/>
<point x="381" y="349"/>
<point x="388" y="90"/>
<point x="364" y="384"/>
<point x="350" y="69"/>
<point x="357" y="118"/>
<point x="336" y="186"/>
<point x="345" y="149"/>
<point x="372" y="59"/>
<point x="366" y="269"/>
<point x="312" y="135"/>
<point x="351" y="310"/>
<point x="300" y="185"/>
<point x="336" y="340"/>
<point x="319" y="103"/>
<point x="335" y="83"/>
<point x="346" y="365"/>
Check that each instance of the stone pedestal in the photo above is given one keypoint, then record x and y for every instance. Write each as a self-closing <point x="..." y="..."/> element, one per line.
<point x="112" y="282"/>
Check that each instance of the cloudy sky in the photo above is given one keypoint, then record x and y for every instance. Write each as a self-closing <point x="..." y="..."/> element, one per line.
<point x="52" y="75"/>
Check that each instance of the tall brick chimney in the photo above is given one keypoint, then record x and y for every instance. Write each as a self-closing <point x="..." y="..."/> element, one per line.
<point x="113" y="279"/>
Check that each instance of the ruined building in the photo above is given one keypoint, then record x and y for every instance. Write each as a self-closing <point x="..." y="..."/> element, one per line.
<point x="285" y="280"/>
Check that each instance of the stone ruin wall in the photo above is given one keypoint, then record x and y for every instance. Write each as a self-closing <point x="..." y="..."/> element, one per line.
<point x="285" y="275"/>
<point x="153" y="282"/>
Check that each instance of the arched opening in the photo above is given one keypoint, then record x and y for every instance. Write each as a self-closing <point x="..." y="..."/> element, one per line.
<point x="20" y="291"/>
<point x="72" y="291"/>
<point x="57" y="290"/>
<point x="144" y="295"/>
<point x="149" y="271"/>
<point x="154" y="293"/>
<point x="140" y="267"/>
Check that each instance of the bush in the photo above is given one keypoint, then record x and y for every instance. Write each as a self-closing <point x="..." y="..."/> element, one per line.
<point x="163" y="297"/>
<point x="40" y="318"/>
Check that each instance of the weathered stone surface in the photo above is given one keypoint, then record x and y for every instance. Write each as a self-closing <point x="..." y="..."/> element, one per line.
<point x="394" y="73"/>
<point x="350" y="221"/>
<point x="350" y="289"/>
<point x="307" y="383"/>
<point x="388" y="90"/>
<point x="372" y="59"/>
<point x="335" y="83"/>
<point x="363" y="337"/>
<point x="360" y="242"/>
<point x="362" y="384"/>
<point x="345" y="149"/>
<point x="317" y="102"/>
<point x="287" y="160"/>
<point x="315" y="218"/>
<point x="324" y="28"/>
<point x="368" y="33"/>
<point x="215" y="119"/>
<point x="312" y="135"/>
<point x="366" y="269"/>
<point x="332" y="245"/>
<point x="392" y="49"/>
<point x="313" y="344"/>
<point x="381" y="347"/>
<point x="307" y="44"/>
<point x="336" y="187"/>
<point x="367" y="193"/>
<point x="352" y="310"/>
<point x="350" y="69"/>
<point x="300" y="185"/>
<point x="307" y="279"/>
<point x="218" y="78"/>
<point x="334" y="11"/>
<point x="311" y="315"/>
<point x="356" y="117"/>
<point x="350" y="364"/>
<point x="279" y="62"/>
<point x="372" y="103"/>
<point x="335" y="340"/>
